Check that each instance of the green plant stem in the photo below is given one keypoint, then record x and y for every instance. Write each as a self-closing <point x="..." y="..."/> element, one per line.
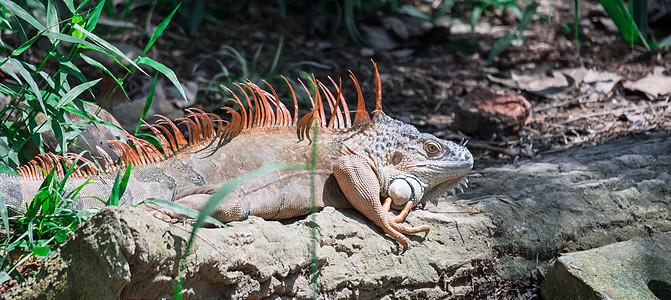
<point x="575" y="29"/>
<point x="313" y="217"/>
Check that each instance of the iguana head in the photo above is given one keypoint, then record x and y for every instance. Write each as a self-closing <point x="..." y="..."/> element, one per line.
<point x="411" y="165"/>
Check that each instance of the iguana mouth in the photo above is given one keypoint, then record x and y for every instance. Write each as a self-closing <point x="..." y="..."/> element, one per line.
<point x="443" y="188"/>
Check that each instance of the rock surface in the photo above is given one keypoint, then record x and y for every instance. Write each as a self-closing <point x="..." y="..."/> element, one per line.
<point x="635" y="269"/>
<point x="530" y="212"/>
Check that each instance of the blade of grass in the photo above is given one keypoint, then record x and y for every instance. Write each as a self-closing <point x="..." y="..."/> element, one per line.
<point x="70" y="4"/>
<point x="620" y="15"/>
<point x="500" y="45"/>
<point x="159" y="29"/>
<point x="31" y="82"/>
<point x="276" y="58"/>
<point x="21" y="13"/>
<point x="165" y="71"/>
<point x="183" y="210"/>
<point x="10" y="72"/>
<point x="529" y="13"/>
<point x="119" y="187"/>
<point x="74" y="92"/>
<point x="5" y="216"/>
<point x="102" y="67"/>
<point x="147" y="104"/>
<point x="25" y="46"/>
<point x="211" y="205"/>
<point x="92" y="18"/>
<point x="52" y="18"/>
<point x="75" y="40"/>
<point x="107" y="46"/>
<point x="314" y="268"/>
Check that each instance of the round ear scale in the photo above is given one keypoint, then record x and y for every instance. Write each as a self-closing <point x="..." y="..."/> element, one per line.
<point x="402" y="190"/>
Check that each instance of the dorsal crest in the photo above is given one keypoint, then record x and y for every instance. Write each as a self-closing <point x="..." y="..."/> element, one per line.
<point x="257" y="109"/>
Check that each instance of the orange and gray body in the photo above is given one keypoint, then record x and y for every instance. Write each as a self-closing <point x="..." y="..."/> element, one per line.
<point x="371" y="163"/>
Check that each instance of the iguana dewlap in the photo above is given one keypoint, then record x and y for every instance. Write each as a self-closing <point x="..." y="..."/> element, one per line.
<point x="371" y="163"/>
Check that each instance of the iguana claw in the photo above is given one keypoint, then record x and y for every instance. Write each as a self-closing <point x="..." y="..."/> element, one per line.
<point x="361" y="187"/>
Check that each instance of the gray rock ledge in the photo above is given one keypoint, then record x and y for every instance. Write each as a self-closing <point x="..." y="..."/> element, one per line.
<point x="530" y="213"/>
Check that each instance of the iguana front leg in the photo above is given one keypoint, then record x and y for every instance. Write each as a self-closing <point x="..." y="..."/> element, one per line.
<point x="358" y="182"/>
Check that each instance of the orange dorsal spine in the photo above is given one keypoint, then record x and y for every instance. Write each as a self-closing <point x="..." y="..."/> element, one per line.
<point x="264" y="111"/>
<point x="361" y="117"/>
<point x="377" y="113"/>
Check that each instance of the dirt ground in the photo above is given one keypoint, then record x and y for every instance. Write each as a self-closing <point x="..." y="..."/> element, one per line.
<point x="426" y="72"/>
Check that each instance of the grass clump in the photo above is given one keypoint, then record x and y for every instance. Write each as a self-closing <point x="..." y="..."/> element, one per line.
<point x="47" y="91"/>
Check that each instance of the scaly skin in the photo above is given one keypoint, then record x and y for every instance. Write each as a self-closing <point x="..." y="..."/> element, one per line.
<point x="371" y="166"/>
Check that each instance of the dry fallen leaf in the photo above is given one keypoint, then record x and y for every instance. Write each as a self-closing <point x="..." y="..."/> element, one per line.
<point x="653" y="86"/>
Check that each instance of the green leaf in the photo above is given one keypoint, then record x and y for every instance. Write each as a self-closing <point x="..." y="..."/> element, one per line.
<point x="219" y="195"/>
<point x="58" y="134"/>
<point x="31" y="82"/>
<point x="61" y="235"/>
<point x="183" y="210"/>
<point x="107" y="46"/>
<point x="81" y="5"/>
<point x="119" y="187"/>
<point x="147" y="104"/>
<point x="74" y="92"/>
<point x="196" y="17"/>
<point x="414" y="11"/>
<point x="100" y="66"/>
<point x="21" y="13"/>
<point x="7" y="170"/>
<point x="159" y="29"/>
<point x="69" y="66"/>
<point x="48" y="79"/>
<point x="70" y="4"/>
<point x="618" y="12"/>
<point x="25" y="46"/>
<point x="41" y="251"/>
<point x="76" y="40"/>
<point x="164" y="70"/>
<point x="475" y="16"/>
<point x="4" y="215"/>
<point x="11" y="72"/>
<point x="92" y="18"/>
<point x="52" y="18"/>
<point x="124" y="181"/>
<point x="500" y="45"/>
<point x="82" y="114"/>
<point x="4" y="277"/>
<point x="529" y="12"/>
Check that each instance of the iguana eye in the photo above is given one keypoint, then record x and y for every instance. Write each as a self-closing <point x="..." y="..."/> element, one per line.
<point x="432" y="148"/>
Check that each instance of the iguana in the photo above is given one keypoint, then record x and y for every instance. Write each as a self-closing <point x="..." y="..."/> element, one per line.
<point x="372" y="163"/>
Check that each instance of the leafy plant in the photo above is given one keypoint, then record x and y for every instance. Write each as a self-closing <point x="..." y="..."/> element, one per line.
<point x="45" y="223"/>
<point x="503" y="42"/>
<point x="43" y="97"/>
<point x="631" y="30"/>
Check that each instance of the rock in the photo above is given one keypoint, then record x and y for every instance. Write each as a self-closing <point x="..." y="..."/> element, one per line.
<point x="529" y="213"/>
<point x="485" y="114"/>
<point x="93" y="136"/>
<point x="636" y="269"/>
